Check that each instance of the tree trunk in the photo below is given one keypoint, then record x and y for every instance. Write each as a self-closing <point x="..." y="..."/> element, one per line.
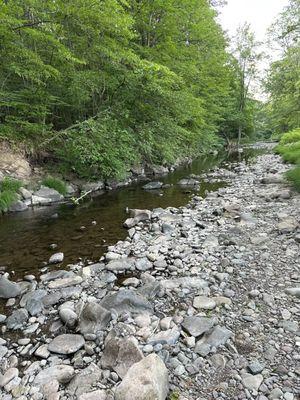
<point x="239" y="137"/>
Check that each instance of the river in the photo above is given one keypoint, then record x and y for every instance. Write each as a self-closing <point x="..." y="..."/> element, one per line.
<point x="83" y="232"/>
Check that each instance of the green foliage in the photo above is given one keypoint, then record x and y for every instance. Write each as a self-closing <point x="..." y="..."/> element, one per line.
<point x="7" y="198"/>
<point x="102" y="84"/>
<point x="8" y="192"/>
<point x="10" y="185"/>
<point x="98" y="148"/>
<point x="55" y="183"/>
<point x="283" y="81"/>
<point x="294" y="176"/>
<point x="291" y="137"/>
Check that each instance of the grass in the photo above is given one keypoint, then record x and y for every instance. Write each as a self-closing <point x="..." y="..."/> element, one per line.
<point x="289" y="149"/>
<point x="55" y="183"/>
<point x="8" y="192"/>
<point x="293" y="175"/>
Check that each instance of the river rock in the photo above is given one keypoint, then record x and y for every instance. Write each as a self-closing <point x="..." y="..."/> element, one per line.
<point x="18" y="206"/>
<point x="153" y="185"/>
<point x="56" y="258"/>
<point x="95" y="395"/>
<point x="216" y="338"/>
<point x="204" y="303"/>
<point x="145" y="380"/>
<point x="169" y="337"/>
<point x="10" y="374"/>
<point x="62" y="373"/>
<point x="17" y="319"/>
<point x="252" y="382"/>
<point x="65" y="282"/>
<point x="120" y="354"/>
<point x="33" y="301"/>
<point x="84" y="380"/>
<point x="188" y="182"/>
<point x="143" y="264"/>
<point x="93" y="318"/>
<point x="127" y="300"/>
<point x="66" y="344"/>
<point x="45" y="196"/>
<point x="293" y="291"/>
<point x="8" y="289"/>
<point x="68" y="316"/>
<point x="124" y="264"/>
<point x="196" y="326"/>
<point x="287" y="225"/>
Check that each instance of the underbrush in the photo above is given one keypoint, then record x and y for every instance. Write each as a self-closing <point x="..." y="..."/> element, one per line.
<point x="8" y="192"/>
<point x="55" y="183"/>
<point x="289" y="149"/>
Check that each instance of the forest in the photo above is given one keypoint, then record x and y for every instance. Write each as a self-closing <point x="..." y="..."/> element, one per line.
<point x="98" y="86"/>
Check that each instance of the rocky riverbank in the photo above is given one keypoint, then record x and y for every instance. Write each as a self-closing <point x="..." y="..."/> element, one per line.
<point x="200" y="302"/>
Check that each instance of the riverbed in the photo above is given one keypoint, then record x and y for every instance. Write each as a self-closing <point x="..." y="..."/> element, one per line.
<point x="84" y="232"/>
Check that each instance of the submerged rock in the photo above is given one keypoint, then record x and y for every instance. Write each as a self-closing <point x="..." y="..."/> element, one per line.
<point x="153" y="185"/>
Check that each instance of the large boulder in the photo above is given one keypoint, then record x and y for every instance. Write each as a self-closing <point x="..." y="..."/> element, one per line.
<point x="8" y="289"/>
<point x="93" y="318"/>
<point x="126" y="300"/>
<point x="13" y="164"/>
<point x="120" y="354"/>
<point x="45" y="196"/>
<point x="145" y="380"/>
<point x="18" y="206"/>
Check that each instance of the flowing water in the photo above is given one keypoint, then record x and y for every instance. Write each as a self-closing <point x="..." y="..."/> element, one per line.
<point x="25" y="238"/>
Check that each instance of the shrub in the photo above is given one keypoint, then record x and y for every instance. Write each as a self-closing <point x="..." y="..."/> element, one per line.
<point x="10" y="185"/>
<point x="293" y="176"/>
<point x="8" y="192"/>
<point x="291" y="137"/>
<point x="290" y="152"/>
<point x="55" y="183"/>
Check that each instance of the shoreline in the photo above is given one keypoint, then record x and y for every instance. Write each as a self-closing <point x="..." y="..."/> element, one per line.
<point x="207" y="290"/>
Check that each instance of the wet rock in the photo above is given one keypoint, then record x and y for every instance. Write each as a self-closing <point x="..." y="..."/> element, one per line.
<point x="126" y="300"/>
<point x="62" y="373"/>
<point x="18" y="206"/>
<point x="8" y="289"/>
<point x="93" y="318"/>
<point x="84" y="380"/>
<point x="56" y="258"/>
<point x="153" y="185"/>
<point x="196" y="326"/>
<point x="188" y="182"/>
<point x="145" y="380"/>
<point x="93" y="186"/>
<point x="45" y="196"/>
<point x="17" y="319"/>
<point x="66" y="344"/>
<point x="121" y="354"/>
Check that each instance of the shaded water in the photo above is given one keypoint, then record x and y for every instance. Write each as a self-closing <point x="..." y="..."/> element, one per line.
<point x="25" y="238"/>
